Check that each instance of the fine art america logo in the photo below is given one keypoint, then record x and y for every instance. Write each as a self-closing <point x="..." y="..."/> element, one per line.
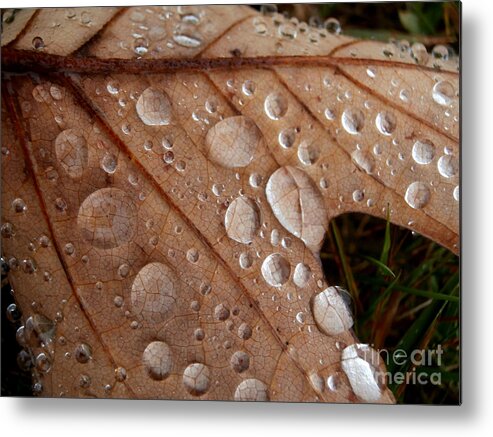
<point x="419" y="360"/>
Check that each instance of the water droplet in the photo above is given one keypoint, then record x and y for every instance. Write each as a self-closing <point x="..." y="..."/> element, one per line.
<point x="302" y="274"/>
<point x="419" y="53"/>
<point x="107" y="218"/>
<point x="287" y="137"/>
<point x="240" y="361"/>
<point x="120" y="374"/>
<point x="447" y="166"/>
<point x="331" y="312"/>
<point x="276" y="270"/>
<point x="371" y="72"/>
<point x="288" y="187"/>
<point x="83" y="353"/>
<point x="300" y="318"/>
<point x="43" y="363"/>
<point x="333" y="382"/>
<point x="353" y="121"/>
<point x="186" y="35"/>
<point x="109" y="163"/>
<point x="361" y="364"/>
<point x="199" y="334"/>
<point x="456" y="193"/>
<point x="255" y="180"/>
<point x="246" y="260"/>
<point x="141" y="46"/>
<point x="154" y="292"/>
<point x="417" y="195"/>
<point x="308" y="153"/>
<point x="196" y="379"/>
<point x="72" y="153"/>
<point x="221" y="312"/>
<point x="38" y="43"/>
<point x="193" y="255"/>
<point x="248" y="88"/>
<point x="113" y="87"/>
<point x="56" y="92"/>
<point x="386" y="123"/>
<point x="333" y="26"/>
<point x="440" y="52"/>
<point x="154" y="107"/>
<point x="423" y="152"/>
<point x="157" y="360"/>
<point x="7" y="230"/>
<point x="244" y="331"/>
<point x="69" y="249"/>
<point x="358" y="195"/>
<point x="252" y="390"/>
<point x="363" y="160"/>
<point x="19" y="206"/>
<point x="443" y="93"/>
<point x="275" y="106"/>
<point x="242" y="220"/>
<point x="232" y="142"/>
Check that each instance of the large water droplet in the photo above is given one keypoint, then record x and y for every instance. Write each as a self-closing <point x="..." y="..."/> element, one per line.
<point x="196" y="379"/>
<point x="423" y="151"/>
<point x="107" y="218"/>
<point x="242" y="219"/>
<point x="154" y="107"/>
<point x="157" y="360"/>
<point x="109" y="163"/>
<point x="71" y="151"/>
<point x="386" y="123"/>
<point x="275" y="106"/>
<point x="447" y="166"/>
<point x="252" y="390"/>
<point x="276" y="270"/>
<point x="298" y="205"/>
<point x="361" y="364"/>
<point x="443" y="93"/>
<point x="331" y="312"/>
<point x="302" y="274"/>
<point x="353" y="121"/>
<point x="154" y="292"/>
<point x="232" y="142"/>
<point x="417" y="195"/>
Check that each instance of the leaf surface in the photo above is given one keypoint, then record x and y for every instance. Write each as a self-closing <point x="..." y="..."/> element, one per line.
<point x="168" y="178"/>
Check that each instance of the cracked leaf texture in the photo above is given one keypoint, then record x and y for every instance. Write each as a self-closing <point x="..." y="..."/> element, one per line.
<point x="163" y="227"/>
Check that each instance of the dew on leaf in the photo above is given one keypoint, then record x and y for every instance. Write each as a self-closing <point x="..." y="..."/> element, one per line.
<point x="233" y="141"/>
<point x="242" y="220"/>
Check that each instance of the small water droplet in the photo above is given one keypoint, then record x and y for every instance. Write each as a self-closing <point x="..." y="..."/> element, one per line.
<point x="154" y="107"/>
<point x="308" y="153"/>
<point x="242" y="220"/>
<point x="417" y="195"/>
<point x="447" y="166"/>
<point x="72" y="152"/>
<point x="386" y="123"/>
<point x="38" y="43"/>
<point x="276" y="270"/>
<point x="331" y="312"/>
<point x="157" y="360"/>
<point x="353" y="121"/>
<point x="275" y="106"/>
<point x="423" y="152"/>
<point x="240" y="361"/>
<point x="245" y="260"/>
<point x="443" y="93"/>
<point x="363" y="160"/>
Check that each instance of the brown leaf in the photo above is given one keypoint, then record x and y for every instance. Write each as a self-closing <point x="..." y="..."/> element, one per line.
<point x="168" y="177"/>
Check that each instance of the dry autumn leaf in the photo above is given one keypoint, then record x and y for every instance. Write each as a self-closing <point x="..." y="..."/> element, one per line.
<point x="168" y="176"/>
